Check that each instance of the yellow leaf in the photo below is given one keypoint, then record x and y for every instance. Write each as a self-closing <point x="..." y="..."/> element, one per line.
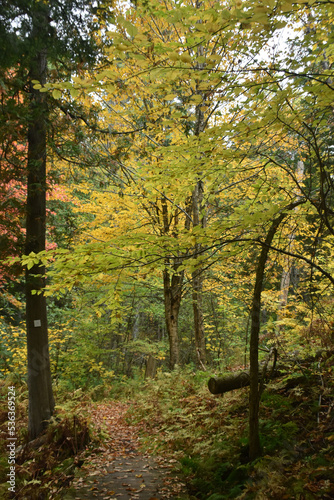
<point x="174" y="56"/>
<point x="185" y="58"/>
<point x="170" y="97"/>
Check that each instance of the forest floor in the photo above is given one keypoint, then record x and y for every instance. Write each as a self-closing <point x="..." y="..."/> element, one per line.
<point x="117" y="469"/>
<point x="170" y="438"/>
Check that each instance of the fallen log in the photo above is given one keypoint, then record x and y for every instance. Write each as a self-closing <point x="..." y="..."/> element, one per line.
<point x="228" y="383"/>
<point x="238" y="380"/>
<point x="242" y="379"/>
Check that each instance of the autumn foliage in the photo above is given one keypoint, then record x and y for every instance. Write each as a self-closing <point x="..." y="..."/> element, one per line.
<point x="189" y="224"/>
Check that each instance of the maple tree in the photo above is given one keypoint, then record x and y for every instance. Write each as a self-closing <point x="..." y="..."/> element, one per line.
<point x="12" y="191"/>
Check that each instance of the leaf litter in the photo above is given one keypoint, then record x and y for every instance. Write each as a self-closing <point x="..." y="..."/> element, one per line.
<point x="117" y="469"/>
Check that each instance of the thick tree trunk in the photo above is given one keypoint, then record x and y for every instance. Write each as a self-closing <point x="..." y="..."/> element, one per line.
<point x="172" y="296"/>
<point x="172" y="281"/>
<point x="151" y="367"/>
<point x="41" y="401"/>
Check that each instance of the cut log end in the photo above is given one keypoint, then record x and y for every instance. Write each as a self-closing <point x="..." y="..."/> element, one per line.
<point x="212" y="385"/>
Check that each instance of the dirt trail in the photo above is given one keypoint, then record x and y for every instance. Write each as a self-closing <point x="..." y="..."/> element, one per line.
<point x="118" y="471"/>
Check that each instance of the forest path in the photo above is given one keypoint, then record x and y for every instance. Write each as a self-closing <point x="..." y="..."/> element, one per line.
<point x="118" y="470"/>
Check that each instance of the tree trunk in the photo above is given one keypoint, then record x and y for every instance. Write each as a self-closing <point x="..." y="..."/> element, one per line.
<point x="197" y="281"/>
<point x="197" y="206"/>
<point x="172" y="281"/>
<point x="172" y="296"/>
<point x="288" y="261"/>
<point x="242" y="379"/>
<point x="151" y="367"/>
<point x="41" y="401"/>
<point x="254" y="393"/>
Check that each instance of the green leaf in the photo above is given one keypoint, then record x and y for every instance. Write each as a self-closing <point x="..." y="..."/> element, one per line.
<point x="186" y="58"/>
<point x="56" y="94"/>
<point x="132" y="30"/>
<point x="74" y="92"/>
<point x="261" y="18"/>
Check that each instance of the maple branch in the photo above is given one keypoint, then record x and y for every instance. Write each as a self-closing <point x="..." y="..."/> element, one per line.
<point x="299" y="257"/>
<point x="233" y="184"/>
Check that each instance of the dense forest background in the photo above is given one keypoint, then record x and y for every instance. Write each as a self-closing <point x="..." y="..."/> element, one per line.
<point x="166" y="209"/>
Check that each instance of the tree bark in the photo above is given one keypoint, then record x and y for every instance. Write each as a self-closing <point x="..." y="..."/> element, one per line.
<point x="41" y="400"/>
<point x="197" y="275"/>
<point x="172" y="297"/>
<point x="151" y="367"/>
<point x="172" y="281"/>
<point x="197" y="282"/>
<point x="228" y="383"/>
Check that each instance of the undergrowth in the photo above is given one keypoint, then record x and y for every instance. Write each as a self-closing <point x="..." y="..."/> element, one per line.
<point x="207" y="436"/>
<point x="204" y="436"/>
<point x="47" y="464"/>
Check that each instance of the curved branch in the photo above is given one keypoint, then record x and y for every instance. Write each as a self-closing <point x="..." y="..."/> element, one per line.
<point x="300" y="257"/>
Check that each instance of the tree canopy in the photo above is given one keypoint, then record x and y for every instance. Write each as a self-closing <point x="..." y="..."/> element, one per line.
<point x="190" y="144"/>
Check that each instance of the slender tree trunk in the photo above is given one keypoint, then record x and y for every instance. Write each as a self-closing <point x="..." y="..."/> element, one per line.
<point x="197" y="286"/>
<point x="197" y="275"/>
<point x="41" y="401"/>
<point x="288" y="261"/>
<point x="197" y="283"/>
<point x="254" y="393"/>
